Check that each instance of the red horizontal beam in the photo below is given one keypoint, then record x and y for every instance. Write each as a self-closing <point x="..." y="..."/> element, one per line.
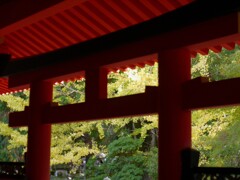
<point x="19" y="119"/>
<point x="199" y="94"/>
<point x="133" y="105"/>
<point x="218" y="32"/>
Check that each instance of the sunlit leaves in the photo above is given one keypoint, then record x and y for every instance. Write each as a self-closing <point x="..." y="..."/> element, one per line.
<point x="15" y="103"/>
<point x="15" y="139"/>
<point x="69" y="92"/>
<point x="213" y="130"/>
<point x="132" y="81"/>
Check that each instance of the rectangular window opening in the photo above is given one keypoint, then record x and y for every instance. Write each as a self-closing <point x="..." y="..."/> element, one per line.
<point x="132" y="81"/>
<point x="69" y="92"/>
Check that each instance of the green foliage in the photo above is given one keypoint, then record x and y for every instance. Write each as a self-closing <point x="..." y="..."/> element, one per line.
<point x="70" y="143"/>
<point x="69" y="92"/>
<point x="226" y="145"/>
<point x="151" y="163"/>
<point x="124" y="146"/>
<point x="132" y="81"/>
<point x="217" y="67"/>
<point x="206" y="126"/>
<point x="12" y="141"/>
<point x="14" y="103"/>
<point x="124" y="161"/>
<point x="214" y="131"/>
<point x="129" y="171"/>
<point x="95" y="172"/>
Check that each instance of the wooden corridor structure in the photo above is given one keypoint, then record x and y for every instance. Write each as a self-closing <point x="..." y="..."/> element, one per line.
<point x="172" y="47"/>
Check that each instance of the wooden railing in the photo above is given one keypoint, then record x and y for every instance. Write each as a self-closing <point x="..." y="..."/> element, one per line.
<point x="12" y="170"/>
<point x="191" y="171"/>
<point x="210" y="173"/>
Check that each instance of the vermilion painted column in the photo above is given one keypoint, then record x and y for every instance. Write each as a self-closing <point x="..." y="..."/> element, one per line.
<point x="174" y="122"/>
<point x="103" y="86"/>
<point x="96" y="84"/>
<point x="39" y="134"/>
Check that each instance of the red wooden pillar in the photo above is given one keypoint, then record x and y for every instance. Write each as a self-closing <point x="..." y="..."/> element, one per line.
<point x="103" y="86"/>
<point x="39" y="134"/>
<point x="174" y="122"/>
<point x="96" y="84"/>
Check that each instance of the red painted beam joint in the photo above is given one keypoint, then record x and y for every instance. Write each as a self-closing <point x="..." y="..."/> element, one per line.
<point x="199" y="93"/>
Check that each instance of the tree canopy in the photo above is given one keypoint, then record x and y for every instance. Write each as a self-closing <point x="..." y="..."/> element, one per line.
<point x="215" y="132"/>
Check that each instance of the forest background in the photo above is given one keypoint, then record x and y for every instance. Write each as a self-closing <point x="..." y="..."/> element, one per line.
<point x="130" y="144"/>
